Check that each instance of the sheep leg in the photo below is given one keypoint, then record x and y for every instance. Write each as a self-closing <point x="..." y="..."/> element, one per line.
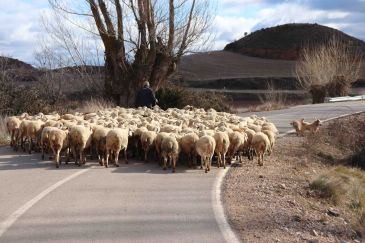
<point x="218" y="160"/>
<point x="73" y="148"/>
<point x="145" y="154"/>
<point x="164" y="162"/>
<point x="173" y="163"/>
<point x="201" y="162"/>
<point x="57" y="155"/>
<point x="67" y="155"/>
<point x="224" y="161"/>
<point x="12" y="138"/>
<point x="81" y="157"/>
<point x="116" y="158"/>
<point x="42" y="149"/>
<point x="126" y="155"/>
<point x="107" y="158"/>
<point x="30" y="145"/>
<point x="206" y="158"/>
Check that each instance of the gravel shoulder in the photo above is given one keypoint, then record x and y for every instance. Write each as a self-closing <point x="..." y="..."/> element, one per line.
<point x="273" y="203"/>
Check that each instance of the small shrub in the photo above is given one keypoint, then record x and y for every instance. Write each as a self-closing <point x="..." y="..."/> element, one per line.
<point x="174" y="96"/>
<point x="347" y="186"/>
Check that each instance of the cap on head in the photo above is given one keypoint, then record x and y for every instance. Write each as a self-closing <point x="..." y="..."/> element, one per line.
<point x="146" y="83"/>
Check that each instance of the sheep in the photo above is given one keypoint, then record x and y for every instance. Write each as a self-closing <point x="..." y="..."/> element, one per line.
<point x="32" y="131"/>
<point x="238" y="140"/>
<point x="147" y="141"/>
<point x="99" y="142"/>
<point x="13" y="125"/>
<point x="221" y="148"/>
<point x="271" y="136"/>
<point x="158" y="141"/>
<point x="250" y="133"/>
<point x="116" y="140"/>
<point x="45" y="139"/>
<point x="170" y="151"/>
<point x="205" y="147"/>
<point x="59" y="140"/>
<point x="80" y="139"/>
<point x="261" y="144"/>
<point x="187" y="145"/>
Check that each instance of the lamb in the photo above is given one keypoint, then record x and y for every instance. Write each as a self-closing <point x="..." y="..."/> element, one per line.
<point x="147" y="141"/>
<point x="13" y="125"/>
<point x="187" y="145"/>
<point x="59" y="140"/>
<point x="221" y="148"/>
<point x="116" y="140"/>
<point x="205" y="147"/>
<point x="80" y="139"/>
<point x="261" y="144"/>
<point x="170" y="151"/>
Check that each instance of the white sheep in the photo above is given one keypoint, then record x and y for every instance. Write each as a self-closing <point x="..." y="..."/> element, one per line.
<point x="261" y="144"/>
<point x="205" y="147"/>
<point x="59" y="140"/>
<point x="116" y="140"/>
<point x="221" y="148"/>
<point x="170" y="151"/>
<point x="80" y="139"/>
<point x="187" y="144"/>
<point x="147" y="141"/>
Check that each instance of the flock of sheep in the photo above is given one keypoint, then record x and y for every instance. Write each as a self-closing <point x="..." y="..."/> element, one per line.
<point x="145" y="132"/>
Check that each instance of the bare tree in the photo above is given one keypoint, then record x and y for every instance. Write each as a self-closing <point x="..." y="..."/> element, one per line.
<point x="142" y="39"/>
<point x="329" y="68"/>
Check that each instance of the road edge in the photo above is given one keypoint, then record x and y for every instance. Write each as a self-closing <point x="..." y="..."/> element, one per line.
<point x="218" y="208"/>
<point x="228" y="234"/>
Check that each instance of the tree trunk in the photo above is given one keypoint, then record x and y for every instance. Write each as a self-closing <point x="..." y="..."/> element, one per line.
<point x="318" y="93"/>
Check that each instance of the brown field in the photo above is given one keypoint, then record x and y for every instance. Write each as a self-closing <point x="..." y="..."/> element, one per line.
<point x="228" y="65"/>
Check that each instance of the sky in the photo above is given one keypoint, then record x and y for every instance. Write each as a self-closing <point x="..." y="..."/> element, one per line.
<point x="21" y="28"/>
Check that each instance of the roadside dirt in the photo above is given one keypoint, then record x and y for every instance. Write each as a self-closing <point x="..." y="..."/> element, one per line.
<point x="273" y="203"/>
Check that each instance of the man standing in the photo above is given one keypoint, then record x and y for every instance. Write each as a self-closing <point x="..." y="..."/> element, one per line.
<point x="145" y="96"/>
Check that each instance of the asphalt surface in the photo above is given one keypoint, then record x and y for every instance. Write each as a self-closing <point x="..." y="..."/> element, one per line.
<point x="137" y="202"/>
<point x="282" y="118"/>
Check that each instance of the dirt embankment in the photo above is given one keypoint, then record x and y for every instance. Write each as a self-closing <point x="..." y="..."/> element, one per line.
<point x="274" y="203"/>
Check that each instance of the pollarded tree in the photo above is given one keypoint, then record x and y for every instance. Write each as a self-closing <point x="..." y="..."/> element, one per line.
<point x="142" y="39"/>
<point x="329" y="68"/>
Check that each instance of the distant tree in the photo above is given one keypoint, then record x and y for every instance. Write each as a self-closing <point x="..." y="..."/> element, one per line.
<point x="328" y="69"/>
<point x="142" y="39"/>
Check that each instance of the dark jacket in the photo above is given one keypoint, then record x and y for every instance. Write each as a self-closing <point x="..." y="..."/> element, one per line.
<point x="145" y="97"/>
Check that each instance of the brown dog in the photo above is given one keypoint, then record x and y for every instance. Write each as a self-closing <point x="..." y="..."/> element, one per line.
<point x="301" y="126"/>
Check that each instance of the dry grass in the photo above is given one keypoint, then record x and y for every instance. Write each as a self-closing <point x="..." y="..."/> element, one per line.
<point x="271" y="100"/>
<point x="95" y="104"/>
<point x="344" y="185"/>
<point x="4" y="135"/>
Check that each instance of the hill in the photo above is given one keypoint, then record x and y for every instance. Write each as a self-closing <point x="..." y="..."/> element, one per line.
<point x="224" y="69"/>
<point x="285" y="41"/>
<point x="19" y="70"/>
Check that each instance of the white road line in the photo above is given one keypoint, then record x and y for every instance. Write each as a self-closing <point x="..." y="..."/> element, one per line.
<point x="218" y="209"/>
<point x="10" y="220"/>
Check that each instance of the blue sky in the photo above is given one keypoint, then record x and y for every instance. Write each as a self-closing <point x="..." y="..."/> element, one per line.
<point x="20" y="28"/>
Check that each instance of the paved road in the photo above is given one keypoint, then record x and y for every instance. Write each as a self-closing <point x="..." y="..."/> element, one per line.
<point x="133" y="203"/>
<point x="282" y="118"/>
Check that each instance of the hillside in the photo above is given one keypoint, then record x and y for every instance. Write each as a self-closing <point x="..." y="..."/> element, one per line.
<point x="19" y="70"/>
<point x="219" y="69"/>
<point x="285" y="41"/>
